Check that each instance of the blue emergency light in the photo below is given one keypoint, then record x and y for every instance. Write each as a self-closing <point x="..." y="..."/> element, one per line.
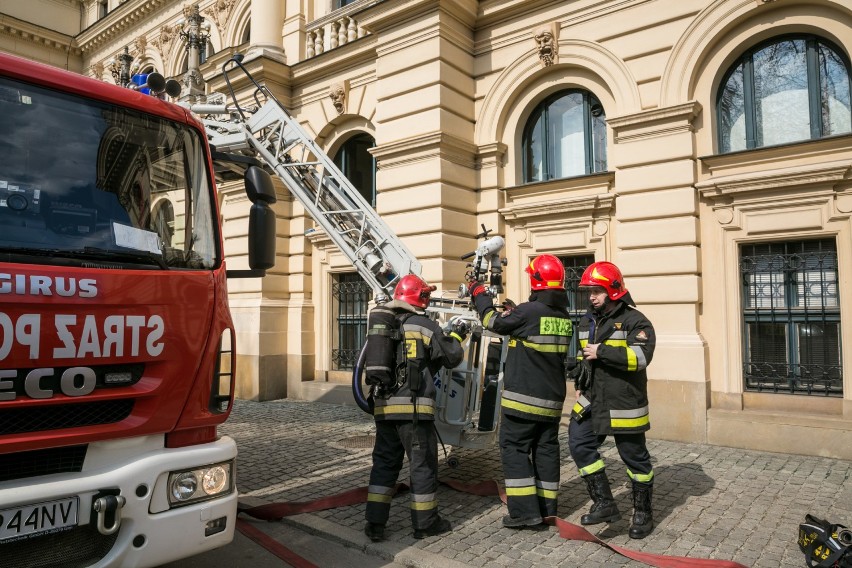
<point x="141" y="79"/>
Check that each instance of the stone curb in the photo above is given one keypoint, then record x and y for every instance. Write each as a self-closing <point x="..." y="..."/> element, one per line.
<point x="387" y="550"/>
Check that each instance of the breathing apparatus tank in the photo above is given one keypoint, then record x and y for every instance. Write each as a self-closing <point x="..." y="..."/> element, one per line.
<point x="384" y="337"/>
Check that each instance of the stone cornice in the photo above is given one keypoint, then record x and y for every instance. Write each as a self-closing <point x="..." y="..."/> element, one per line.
<point x="120" y="22"/>
<point x="267" y="71"/>
<point x="579" y="206"/>
<point x="727" y="187"/>
<point x="28" y="32"/>
<point x="492" y="154"/>
<point x="425" y="147"/>
<point x="824" y="149"/>
<point x="319" y="238"/>
<point x="390" y="13"/>
<point x="336" y="61"/>
<point x="656" y="122"/>
<point x="595" y="182"/>
<point x="583" y="196"/>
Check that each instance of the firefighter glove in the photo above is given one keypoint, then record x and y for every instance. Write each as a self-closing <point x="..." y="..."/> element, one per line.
<point x="459" y="330"/>
<point x="583" y="376"/>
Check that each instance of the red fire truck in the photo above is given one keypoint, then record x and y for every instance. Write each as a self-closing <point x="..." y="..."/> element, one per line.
<point x="116" y="342"/>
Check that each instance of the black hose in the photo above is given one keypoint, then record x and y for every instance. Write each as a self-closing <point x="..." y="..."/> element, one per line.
<point x="357" y="390"/>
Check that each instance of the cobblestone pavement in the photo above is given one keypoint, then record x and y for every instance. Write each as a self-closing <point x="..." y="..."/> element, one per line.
<point x="709" y="501"/>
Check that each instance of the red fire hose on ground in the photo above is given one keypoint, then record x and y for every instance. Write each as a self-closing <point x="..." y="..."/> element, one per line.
<point x="569" y="531"/>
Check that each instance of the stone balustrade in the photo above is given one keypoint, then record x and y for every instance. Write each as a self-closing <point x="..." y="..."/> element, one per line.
<point x="334" y="30"/>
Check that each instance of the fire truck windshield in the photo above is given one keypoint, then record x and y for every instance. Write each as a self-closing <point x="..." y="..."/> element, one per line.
<point x="81" y="180"/>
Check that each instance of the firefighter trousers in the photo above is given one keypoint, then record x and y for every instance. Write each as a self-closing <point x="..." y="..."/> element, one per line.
<point x="395" y="439"/>
<point x="530" y="453"/>
<point x="584" y="445"/>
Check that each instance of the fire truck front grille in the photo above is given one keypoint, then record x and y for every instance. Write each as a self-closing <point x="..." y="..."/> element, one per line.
<point x="41" y="462"/>
<point x="42" y="418"/>
<point x="76" y="548"/>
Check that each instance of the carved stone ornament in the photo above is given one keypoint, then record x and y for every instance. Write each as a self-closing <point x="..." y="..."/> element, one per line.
<point x="338" y="93"/>
<point x="188" y="9"/>
<point x="165" y="40"/>
<point x="219" y="12"/>
<point x="97" y="70"/>
<point x="547" y="43"/>
<point x="139" y="46"/>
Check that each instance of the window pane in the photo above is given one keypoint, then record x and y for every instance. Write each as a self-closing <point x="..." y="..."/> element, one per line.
<point x="578" y="301"/>
<point x="781" y="93"/>
<point x="819" y="344"/>
<point x="575" y="265"/>
<point x="818" y="289"/>
<point x="835" y="108"/>
<point x="791" y="317"/>
<point x="350" y="295"/>
<point x="534" y="151"/>
<point x="819" y="355"/>
<point x="732" y="124"/>
<point x="598" y="137"/>
<point x="565" y="137"/>
<point x="358" y="165"/>
<point x="768" y="344"/>
<point x="765" y="290"/>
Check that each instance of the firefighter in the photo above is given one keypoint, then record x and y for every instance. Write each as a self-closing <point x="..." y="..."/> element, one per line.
<point x="404" y="413"/>
<point x="534" y="389"/>
<point x="617" y="344"/>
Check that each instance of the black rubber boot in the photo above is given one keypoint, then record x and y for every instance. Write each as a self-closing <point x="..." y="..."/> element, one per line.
<point x="604" y="509"/>
<point x="375" y="531"/>
<point x="643" y="517"/>
<point x="440" y="526"/>
<point x="520" y="523"/>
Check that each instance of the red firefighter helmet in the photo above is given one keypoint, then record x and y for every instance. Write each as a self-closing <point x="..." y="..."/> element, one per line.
<point x="607" y="276"/>
<point x="546" y="273"/>
<point x="413" y="290"/>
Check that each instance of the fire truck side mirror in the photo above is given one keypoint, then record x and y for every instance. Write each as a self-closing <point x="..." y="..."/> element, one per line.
<point x="261" y="236"/>
<point x="259" y="185"/>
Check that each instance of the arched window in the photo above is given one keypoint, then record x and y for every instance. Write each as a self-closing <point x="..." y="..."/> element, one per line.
<point x="787" y="90"/>
<point x="564" y="137"/>
<point x="207" y="50"/>
<point x="246" y="37"/>
<point x="358" y="165"/>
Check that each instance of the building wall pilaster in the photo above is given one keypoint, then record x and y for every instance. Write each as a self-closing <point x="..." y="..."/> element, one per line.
<point x="658" y="250"/>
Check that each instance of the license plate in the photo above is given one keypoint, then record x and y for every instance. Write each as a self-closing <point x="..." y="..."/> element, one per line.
<point x="42" y="518"/>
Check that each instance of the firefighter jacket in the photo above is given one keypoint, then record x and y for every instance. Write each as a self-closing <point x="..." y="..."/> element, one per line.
<point x="619" y="384"/>
<point x="425" y="349"/>
<point x="539" y="334"/>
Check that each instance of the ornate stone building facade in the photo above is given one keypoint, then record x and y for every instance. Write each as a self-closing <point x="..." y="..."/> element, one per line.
<point x="703" y="146"/>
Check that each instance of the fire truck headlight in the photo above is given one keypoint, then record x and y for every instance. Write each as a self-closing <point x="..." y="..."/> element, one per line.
<point x="200" y="484"/>
<point x="184" y="486"/>
<point x="215" y="480"/>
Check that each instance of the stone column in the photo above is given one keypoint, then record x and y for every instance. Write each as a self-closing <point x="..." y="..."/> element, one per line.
<point x="267" y="21"/>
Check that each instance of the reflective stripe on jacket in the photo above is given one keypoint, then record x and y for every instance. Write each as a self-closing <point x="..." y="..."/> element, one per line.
<point x="619" y="391"/>
<point x="539" y="334"/>
<point x="427" y="350"/>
